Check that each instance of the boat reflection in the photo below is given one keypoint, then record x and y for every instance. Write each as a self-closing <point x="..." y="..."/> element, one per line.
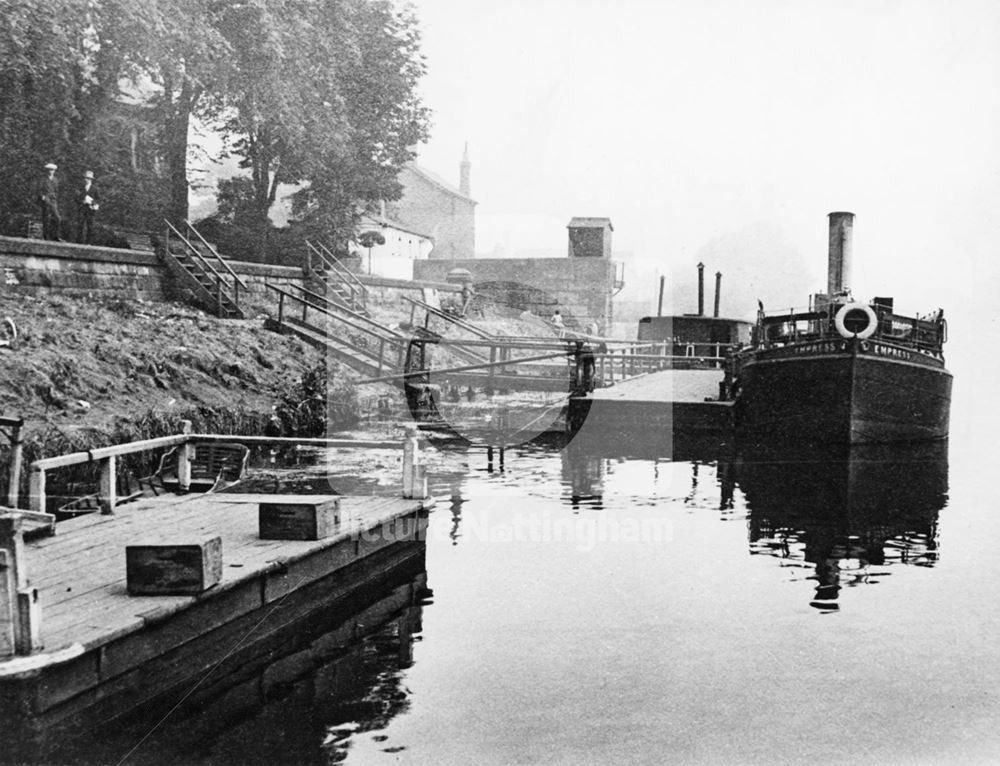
<point x="848" y="512"/>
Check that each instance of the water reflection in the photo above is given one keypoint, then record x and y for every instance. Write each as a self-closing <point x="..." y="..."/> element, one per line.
<point x="848" y="513"/>
<point x="304" y="698"/>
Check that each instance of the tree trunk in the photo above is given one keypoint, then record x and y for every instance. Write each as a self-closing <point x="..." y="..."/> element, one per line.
<point x="176" y="153"/>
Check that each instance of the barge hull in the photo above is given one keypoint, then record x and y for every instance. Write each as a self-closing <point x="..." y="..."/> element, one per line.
<point x="859" y="395"/>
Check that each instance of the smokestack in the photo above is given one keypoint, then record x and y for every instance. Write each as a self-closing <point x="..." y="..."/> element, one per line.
<point x="838" y="274"/>
<point x="701" y="289"/>
<point x="659" y="305"/>
<point x="465" y="173"/>
<point x="718" y="287"/>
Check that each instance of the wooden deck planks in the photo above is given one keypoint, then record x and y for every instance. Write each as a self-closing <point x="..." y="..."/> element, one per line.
<point x="664" y="386"/>
<point x="80" y="572"/>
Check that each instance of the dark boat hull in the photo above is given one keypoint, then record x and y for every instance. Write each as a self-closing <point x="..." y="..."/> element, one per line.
<point x="843" y="391"/>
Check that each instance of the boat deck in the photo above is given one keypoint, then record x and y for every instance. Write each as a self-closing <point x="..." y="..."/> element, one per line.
<point x="664" y="402"/>
<point x="664" y="387"/>
<point x="101" y="644"/>
<point x="80" y="572"/>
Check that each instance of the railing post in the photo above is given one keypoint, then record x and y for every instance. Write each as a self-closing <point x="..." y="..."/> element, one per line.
<point x="218" y="296"/>
<point x="492" y="372"/>
<point x="414" y="471"/>
<point x="108" y="495"/>
<point x="36" y="489"/>
<point x="236" y="292"/>
<point x="20" y="613"/>
<point x="281" y="307"/>
<point x="8" y="606"/>
<point x="381" y="353"/>
<point x="16" y="455"/>
<point x="185" y="453"/>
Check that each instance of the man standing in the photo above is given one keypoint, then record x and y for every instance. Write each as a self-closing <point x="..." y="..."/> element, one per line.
<point x="48" y="200"/>
<point x="86" y="205"/>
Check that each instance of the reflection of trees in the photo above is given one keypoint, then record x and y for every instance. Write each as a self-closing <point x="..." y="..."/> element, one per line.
<point x="845" y="511"/>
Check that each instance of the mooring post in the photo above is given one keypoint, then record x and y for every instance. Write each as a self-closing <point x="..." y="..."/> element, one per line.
<point x="36" y="489"/>
<point x="20" y="612"/>
<point x="185" y="453"/>
<point x="414" y="472"/>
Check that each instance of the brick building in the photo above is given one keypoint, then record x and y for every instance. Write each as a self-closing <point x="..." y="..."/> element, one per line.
<point x="438" y="210"/>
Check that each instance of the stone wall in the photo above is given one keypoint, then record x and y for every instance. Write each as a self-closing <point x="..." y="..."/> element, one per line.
<point x="38" y="266"/>
<point x="581" y="288"/>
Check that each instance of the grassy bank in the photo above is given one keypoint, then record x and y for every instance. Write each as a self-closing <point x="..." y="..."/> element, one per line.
<point x="89" y="372"/>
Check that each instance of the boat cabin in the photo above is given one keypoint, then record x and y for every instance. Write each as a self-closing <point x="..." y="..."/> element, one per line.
<point x="843" y="318"/>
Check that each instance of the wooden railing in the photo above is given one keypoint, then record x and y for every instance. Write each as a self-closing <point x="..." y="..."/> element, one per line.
<point x="20" y="609"/>
<point x="185" y="442"/>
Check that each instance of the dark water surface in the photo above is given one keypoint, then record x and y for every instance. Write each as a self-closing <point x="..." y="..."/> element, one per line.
<point x="722" y="607"/>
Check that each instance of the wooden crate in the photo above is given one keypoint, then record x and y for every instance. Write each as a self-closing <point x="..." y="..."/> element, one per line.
<point x="302" y="517"/>
<point x="173" y="568"/>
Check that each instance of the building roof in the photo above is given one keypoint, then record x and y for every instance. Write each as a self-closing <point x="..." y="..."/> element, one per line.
<point x="590" y="223"/>
<point x="435" y="179"/>
<point x="371" y="220"/>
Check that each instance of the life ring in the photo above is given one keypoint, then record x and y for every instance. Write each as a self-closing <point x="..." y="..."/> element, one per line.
<point x="846" y="309"/>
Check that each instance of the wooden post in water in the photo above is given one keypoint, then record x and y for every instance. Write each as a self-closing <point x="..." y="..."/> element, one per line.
<point x="414" y="472"/>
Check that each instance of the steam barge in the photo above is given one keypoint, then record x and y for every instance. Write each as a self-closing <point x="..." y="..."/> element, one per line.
<point x="842" y="371"/>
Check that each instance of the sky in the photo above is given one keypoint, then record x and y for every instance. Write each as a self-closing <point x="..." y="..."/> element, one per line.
<point x="725" y="131"/>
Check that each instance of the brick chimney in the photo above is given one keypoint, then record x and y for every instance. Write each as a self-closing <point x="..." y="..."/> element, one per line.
<point x="465" y="173"/>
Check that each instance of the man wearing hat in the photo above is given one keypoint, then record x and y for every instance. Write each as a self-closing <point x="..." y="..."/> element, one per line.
<point x="48" y="200"/>
<point x="86" y="205"/>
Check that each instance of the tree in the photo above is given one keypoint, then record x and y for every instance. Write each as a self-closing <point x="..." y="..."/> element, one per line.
<point x="44" y="78"/>
<point x="368" y="240"/>
<point x="178" y="46"/>
<point x="325" y="94"/>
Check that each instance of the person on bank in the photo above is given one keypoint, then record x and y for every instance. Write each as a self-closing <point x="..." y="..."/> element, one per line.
<point x="86" y="206"/>
<point x="557" y="321"/>
<point x="48" y="201"/>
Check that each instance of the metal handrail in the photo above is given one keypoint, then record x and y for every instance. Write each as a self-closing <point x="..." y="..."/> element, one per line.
<point x="194" y="251"/>
<point x="335" y="313"/>
<point x="395" y="340"/>
<point x="342" y="270"/>
<point x="216" y="254"/>
<point x="330" y="261"/>
<point x="448" y="317"/>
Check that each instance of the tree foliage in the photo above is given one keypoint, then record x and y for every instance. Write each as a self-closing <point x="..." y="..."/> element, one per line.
<point x="325" y="95"/>
<point x="320" y="94"/>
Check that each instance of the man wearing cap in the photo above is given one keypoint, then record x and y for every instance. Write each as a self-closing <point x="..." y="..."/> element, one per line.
<point x="86" y="205"/>
<point x="48" y="200"/>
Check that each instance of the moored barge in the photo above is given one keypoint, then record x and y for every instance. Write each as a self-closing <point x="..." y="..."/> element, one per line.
<point x="843" y="371"/>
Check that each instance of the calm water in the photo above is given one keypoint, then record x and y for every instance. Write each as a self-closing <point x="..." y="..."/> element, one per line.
<point x="579" y="607"/>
